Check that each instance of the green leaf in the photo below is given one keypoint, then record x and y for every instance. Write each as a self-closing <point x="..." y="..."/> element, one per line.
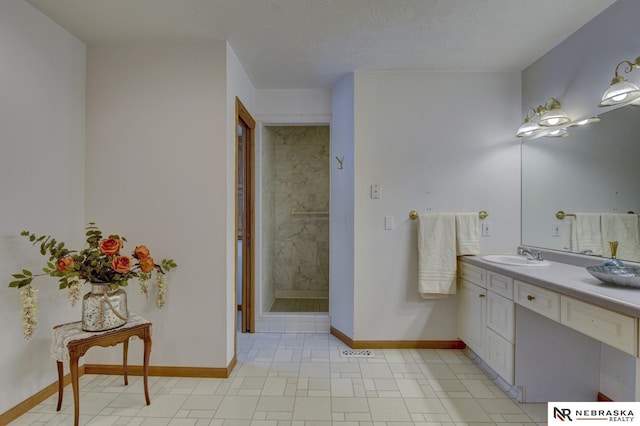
<point x="17" y="276"/>
<point x="13" y="284"/>
<point x="27" y="272"/>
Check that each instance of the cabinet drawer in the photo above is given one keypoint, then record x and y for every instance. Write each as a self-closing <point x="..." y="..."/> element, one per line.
<point x="612" y="328"/>
<point x="472" y="274"/>
<point x="500" y="315"/>
<point x="499" y="355"/>
<point x="544" y="302"/>
<point x="500" y="284"/>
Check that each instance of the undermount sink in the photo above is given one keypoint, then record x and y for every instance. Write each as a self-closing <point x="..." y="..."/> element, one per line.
<point x="513" y="260"/>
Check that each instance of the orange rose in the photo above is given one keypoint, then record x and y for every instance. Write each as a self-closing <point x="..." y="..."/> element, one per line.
<point x="141" y="252"/>
<point x="146" y="264"/>
<point x="121" y="264"/>
<point x="66" y="264"/>
<point x="110" y="246"/>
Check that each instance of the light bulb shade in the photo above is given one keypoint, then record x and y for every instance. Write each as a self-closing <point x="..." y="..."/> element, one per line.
<point x="585" y="121"/>
<point x="557" y="133"/>
<point x="527" y="128"/>
<point x="620" y="92"/>
<point x="554" y="117"/>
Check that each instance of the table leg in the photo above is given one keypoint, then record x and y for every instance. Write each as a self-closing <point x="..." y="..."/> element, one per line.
<point x="73" y="364"/>
<point x="125" y="351"/>
<point x="145" y="369"/>
<point x="60" y="384"/>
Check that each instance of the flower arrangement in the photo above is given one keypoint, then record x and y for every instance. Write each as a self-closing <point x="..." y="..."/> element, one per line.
<point x="100" y="263"/>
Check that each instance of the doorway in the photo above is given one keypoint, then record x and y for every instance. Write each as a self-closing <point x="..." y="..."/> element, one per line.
<point x="245" y="294"/>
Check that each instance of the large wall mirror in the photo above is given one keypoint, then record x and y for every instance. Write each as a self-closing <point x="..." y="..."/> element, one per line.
<point x="596" y="169"/>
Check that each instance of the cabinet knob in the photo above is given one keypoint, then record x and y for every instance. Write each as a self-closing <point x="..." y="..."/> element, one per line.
<point x="530" y="297"/>
<point x="481" y="296"/>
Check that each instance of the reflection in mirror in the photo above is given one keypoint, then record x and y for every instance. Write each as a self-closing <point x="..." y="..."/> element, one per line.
<point x="596" y="169"/>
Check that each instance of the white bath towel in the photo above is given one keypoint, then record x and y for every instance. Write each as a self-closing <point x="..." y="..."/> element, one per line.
<point x="587" y="233"/>
<point x="467" y="234"/>
<point x="622" y="228"/>
<point x="436" y="255"/>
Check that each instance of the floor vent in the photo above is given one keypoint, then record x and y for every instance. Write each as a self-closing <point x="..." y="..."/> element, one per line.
<point x="350" y="353"/>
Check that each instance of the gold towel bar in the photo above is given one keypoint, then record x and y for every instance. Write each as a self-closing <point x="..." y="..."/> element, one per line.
<point x="413" y="215"/>
<point x="561" y="215"/>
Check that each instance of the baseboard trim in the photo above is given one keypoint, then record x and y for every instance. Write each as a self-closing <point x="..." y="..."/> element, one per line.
<point x="35" y="399"/>
<point x="397" y="344"/>
<point x="162" y="371"/>
<point x="603" y="398"/>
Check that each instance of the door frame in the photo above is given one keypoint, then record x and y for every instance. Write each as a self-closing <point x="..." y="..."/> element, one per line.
<point x="248" y="225"/>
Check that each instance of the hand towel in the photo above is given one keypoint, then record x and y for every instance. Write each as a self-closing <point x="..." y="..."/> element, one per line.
<point x="467" y="234"/>
<point x="588" y="234"/>
<point x="436" y="255"/>
<point x="574" y="235"/>
<point x="622" y="228"/>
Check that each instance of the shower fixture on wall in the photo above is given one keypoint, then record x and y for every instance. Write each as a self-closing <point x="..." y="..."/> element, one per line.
<point x="551" y="115"/>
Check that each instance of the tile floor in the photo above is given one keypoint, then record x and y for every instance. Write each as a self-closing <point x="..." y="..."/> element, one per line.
<point x="302" y="380"/>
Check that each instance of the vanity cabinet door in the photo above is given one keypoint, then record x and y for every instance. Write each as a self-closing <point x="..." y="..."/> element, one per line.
<point x="499" y="354"/>
<point x="500" y="316"/>
<point x="472" y="315"/>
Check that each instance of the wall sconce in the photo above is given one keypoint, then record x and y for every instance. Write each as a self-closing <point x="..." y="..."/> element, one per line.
<point x="551" y="115"/>
<point x="621" y="91"/>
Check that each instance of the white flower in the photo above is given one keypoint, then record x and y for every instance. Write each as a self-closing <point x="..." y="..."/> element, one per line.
<point x="29" y="296"/>
<point x="144" y="286"/>
<point x="73" y="293"/>
<point x="161" y="290"/>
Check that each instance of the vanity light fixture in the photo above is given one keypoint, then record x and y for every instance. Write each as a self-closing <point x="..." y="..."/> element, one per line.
<point x="585" y="121"/>
<point x="551" y="115"/>
<point x="557" y="133"/>
<point x="621" y="91"/>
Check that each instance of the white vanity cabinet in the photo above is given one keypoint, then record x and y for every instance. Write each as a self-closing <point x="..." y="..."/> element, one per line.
<point x="472" y="311"/>
<point x="486" y="317"/>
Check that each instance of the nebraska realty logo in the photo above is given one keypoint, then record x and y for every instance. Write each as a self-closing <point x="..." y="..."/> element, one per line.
<point x="595" y="413"/>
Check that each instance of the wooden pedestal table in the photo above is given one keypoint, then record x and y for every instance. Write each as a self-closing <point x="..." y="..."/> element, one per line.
<point x="70" y="342"/>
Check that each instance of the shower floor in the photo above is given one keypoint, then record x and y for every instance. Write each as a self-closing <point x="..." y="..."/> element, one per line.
<point x="300" y="305"/>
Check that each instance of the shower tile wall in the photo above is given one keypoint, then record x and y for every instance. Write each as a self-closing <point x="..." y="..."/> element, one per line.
<point x="301" y="183"/>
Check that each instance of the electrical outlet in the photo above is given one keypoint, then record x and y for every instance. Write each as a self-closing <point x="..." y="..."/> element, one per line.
<point x="375" y="191"/>
<point x="555" y="229"/>
<point x="486" y="229"/>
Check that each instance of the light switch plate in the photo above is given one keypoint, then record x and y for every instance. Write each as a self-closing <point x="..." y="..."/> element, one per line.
<point x="389" y="223"/>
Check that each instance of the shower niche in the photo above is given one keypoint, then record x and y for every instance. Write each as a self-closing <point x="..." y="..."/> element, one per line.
<point x="295" y="219"/>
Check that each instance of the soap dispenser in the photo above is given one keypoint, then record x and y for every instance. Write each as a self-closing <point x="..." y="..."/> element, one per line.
<point x="613" y="261"/>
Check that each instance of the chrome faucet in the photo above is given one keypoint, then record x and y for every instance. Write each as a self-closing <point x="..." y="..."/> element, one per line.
<point x="531" y="254"/>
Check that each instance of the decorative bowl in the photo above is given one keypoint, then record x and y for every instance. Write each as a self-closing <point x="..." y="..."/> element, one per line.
<point x="626" y="276"/>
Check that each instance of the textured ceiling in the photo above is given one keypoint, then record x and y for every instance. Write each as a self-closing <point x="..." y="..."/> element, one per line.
<point x="313" y="43"/>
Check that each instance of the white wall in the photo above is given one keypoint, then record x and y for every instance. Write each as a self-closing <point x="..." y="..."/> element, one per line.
<point x="42" y="83"/>
<point x="238" y="85"/>
<point x="341" y="235"/>
<point x="577" y="72"/>
<point x="289" y="106"/>
<point x="158" y="173"/>
<point x="434" y="142"/>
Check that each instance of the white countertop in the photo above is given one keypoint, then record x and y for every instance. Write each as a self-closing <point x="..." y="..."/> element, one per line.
<point x="570" y="280"/>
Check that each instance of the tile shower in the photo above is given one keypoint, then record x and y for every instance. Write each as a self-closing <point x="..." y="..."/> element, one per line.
<point x="295" y="218"/>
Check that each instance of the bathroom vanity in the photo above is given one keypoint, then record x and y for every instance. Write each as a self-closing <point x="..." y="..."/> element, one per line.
<point x="552" y="332"/>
